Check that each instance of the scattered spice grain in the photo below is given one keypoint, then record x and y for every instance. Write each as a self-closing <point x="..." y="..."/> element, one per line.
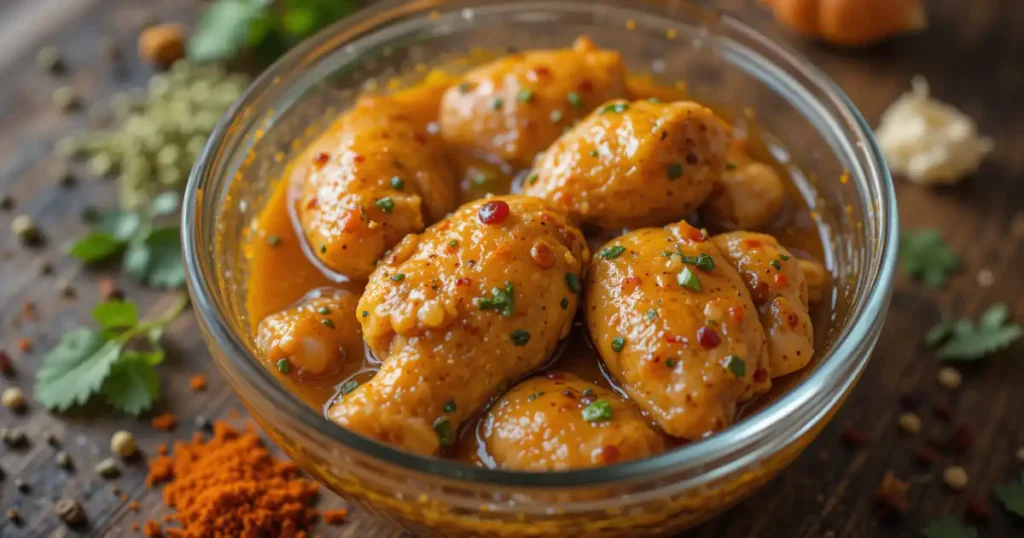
<point x="854" y="438"/>
<point x="942" y="413"/>
<point x="21" y="485"/>
<point x="231" y="485"/>
<point x="122" y="443"/>
<point x="14" y="399"/>
<point x="162" y="44"/>
<point x="14" y="516"/>
<point x="65" y="288"/>
<point x="15" y="438"/>
<point x="925" y="456"/>
<point x="910" y="423"/>
<point x="108" y="468"/>
<point x="979" y="509"/>
<point x="108" y="289"/>
<point x="70" y="512"/>
<point x="152" y="529"/>
<point x="164" y="422"/>
<point x="25" y="345"/>
<point x="134" y="506"/>
<point x="962" y="439"/>
<point x="48" y="58"/>
<point x="892" y="493"/>
<point x="955" y="477"/>
<point x="135" y="527"/>
<point x="24" y="228"/>
<point x="6" y="365"/>
<point x="950" y="377"/>
<point x="197" y="382"/>
<point x="335" y="517"/>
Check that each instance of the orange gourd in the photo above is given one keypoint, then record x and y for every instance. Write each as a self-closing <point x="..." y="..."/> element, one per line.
<point x="850" y="22"/>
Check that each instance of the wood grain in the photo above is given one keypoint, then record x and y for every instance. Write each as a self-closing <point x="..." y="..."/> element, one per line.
<point x="971" y="55"/>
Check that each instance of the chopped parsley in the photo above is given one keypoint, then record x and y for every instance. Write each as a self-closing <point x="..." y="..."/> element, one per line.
<point x="366" y="313"/>
<point x="274" y="240"/>
<point x="386" y="204"/>
<point x="575" y="100"/>
<point x="520" y="337"/>
<point x="525" y="96"/>
<point x="703" y="262"/>
<point x="444" y="431"/>
<point x="671" y="363"/>
<point x="925" y="256"/>
<point x="688" y="279"/>
<point x="349" y="386"/>
<point x="398" y="277"/>
<point x="453" y="243"/>
<point x="565" y="303"/>
<point x="449" y="406"/>
<point x="531" y="179"/>
<point x="618" y="343"/>
<point x="598" y="411"/>
<point x="588" y="392"/>
<point x="397" y="183"/>
<point x="534" y="396"/>
<point x="496" y="104"/>
<point x="573" y="282"/>
<point x="617" y="108"/>
<point x="284" y="366"/>
<point x="593" y="153"/>
<point x="736" y="365"/>
<point x="327" y="322"/>
<point x="776" y="264"/>
<point x="730" y="166"/>
<point x="323" y="249"/>
<point x="501" y="300"/>
<point x="652" y="314"/>
<point x="784" y="257"/>
<point x="674" y="171"/>
<point x="323" y="310"/>
<point x="612" y="252"/>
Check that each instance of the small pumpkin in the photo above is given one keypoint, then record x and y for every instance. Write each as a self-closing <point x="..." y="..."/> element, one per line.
<point x="850" y="23"/>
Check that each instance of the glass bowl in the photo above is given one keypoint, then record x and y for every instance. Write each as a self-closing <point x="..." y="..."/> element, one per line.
<point x="723" y="62"/>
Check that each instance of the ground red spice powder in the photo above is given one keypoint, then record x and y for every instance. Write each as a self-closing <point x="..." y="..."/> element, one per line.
<point x="197" y="382"/>
<point x="335" y="517"/>
<point x="231" y="486"/>
<point x="152" y="529"/>
<point x="164" y="422"/>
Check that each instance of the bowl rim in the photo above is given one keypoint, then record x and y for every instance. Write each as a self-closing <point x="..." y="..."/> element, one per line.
<point x="704" y="457"/>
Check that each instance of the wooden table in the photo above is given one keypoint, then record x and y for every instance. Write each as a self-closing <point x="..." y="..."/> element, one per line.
<point x="971" y="54"/>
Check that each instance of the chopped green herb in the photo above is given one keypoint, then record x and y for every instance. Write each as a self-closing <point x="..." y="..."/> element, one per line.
<point x="776" y="264"/>
<point x="497" y="103"/>
<point x="449" y="406"/>
<point x="284" y="366"/>
<point x="948" y="527"/>
<point x="588" y="392"/>
<point x="520" y="337"/>
<point x="323" y="249"/>
<point x="349" y="386"/>
<point x="925" y="256"/>
<point x="386" y="204"/>
<point x="1011" y="495"/>
<point x="671" y="363"/>
<point x="465" y="87"/>
<point x="444" y="431"/>
<point x="564" y="303"/>
<point x="688" y="279"/>
<point x="556" y="116"/>
<point x="575" y="100"/>
<point x="598" y="411"/>
<point x="704" y="261"/>
<point x="501" y="300"/>
<point x="730" y="166"/>
<point x="618" y="343"/>
<point x="736" y="365"/>
<point x="323" y="310"/>
<point x="612" y="252"/>
<point x="654" y="100"/>
<point x="674" y="171"/>
<point x="397" y="183"/>
<point x="274" y="240"/>
<point x="593" y="153"/>
<point x="617" y="108"/>
<point x="531" y="179"/>
<point x="453" y="243"/>
<point x="963" y="340"/>
<point x="652" y="314"/>
<point x="573" y="282"/>
<point x="327" y="322"/>
<point x="534" y="396"/>
<point x="784" y="257"/>
<point x="525" y="96"/>
<point x="398" y="277"/>
<point x="366" y="313"/>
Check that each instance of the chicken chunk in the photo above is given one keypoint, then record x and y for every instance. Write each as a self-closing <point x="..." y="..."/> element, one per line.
<point x="748" y="195"/>
<point x="473" y="304"/>
<point x="313" y="339"/>
<point x="558" y="421"/>
<point x="516" y="106"/>
<point x="779" y="291"/>
<point x="630" y="165"/>
<point x="373" y="178"/>
<point x="675" y="326"/>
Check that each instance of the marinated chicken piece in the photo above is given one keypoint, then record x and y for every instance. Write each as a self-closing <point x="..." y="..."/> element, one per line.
<point x="515" y="107"/>
<point x="373" y="178"/>
<point x="675" y="326"/>
<point x="559" y="421"/>
<point x="474" y="303"/>
<point x="817" y="279"/>
<point x="313" y="339"/>
<point x="748" y="195"/>
<point x="779" y="291"/>
<point x="630" y="165"/>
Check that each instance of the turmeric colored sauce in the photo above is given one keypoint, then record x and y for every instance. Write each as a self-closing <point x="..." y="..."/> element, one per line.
<point x="281" y="271"/>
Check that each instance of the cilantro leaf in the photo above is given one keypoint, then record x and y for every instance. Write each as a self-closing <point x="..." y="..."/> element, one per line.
<point x="948" y="527"/>
<point x="939" y="333"/>
<point x="966" y="341"/>
<point x="121" y="225"/>
<point x="75" y="369"/>
<point x="926" y="257"/>
<point x="1012" y="496"/>
<point x="133" y="385"/>
<point x="223" y="29"/>
<point x="155" y="259"/>
<point x="95" y="247"/>
<point x="116" y="315"/>
<point x="165" y="204"/>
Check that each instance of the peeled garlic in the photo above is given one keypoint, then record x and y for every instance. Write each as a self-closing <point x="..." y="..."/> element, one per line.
<point x="928" y="141"/>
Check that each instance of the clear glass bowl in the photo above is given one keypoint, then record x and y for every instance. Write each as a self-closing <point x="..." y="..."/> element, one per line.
<point x="723" y="62"/>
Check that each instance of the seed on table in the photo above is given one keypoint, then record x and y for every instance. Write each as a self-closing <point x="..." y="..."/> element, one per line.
<point x="950" y="377"/>
<point x="49" y="59"/>
<point x="14" y="515"/>
<point x="14" y="438"/>
<point x="6" y="364"/>
<point x="101" y="164"/>
<point x="1020" y="454"/>
<point x="25" y="229"/>
<point x="63" y="460"/>
<point x="122" y="443"/>
<point x="955" y="477"/>
<point x="70" y="512"/>
<point x="21" y="485"/>
<point x="43" y="267"/>
<point x="203" y="423"/>
<point x="6" y="202"/>
<point x="63" y="174"/>
<point x="65" y="288"/>
<point x="13" y="398"/>
<point x="108" y="468"/>
<point x="66" y="98"/>
<point x="910" y="423"/>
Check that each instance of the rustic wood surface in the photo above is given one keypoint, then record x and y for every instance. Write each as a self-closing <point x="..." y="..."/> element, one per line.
<point x="971" y="54"/>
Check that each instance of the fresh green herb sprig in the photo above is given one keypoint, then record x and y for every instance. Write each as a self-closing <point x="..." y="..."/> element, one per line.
<point x="948" y="527"/>
<point x="118" y="360"/>
<point x="152" y="253"/>
<point x="1011" y="495"/>
<point x="963" y="340"/>
<point x="926" y="257"/>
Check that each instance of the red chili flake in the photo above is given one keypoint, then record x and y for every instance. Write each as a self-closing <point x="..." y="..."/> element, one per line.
<point x="493" y="212"/>
<point x="464" y="281"/>
<point x="942" y="412"/>
<point x="925" y="456"/>
<point x="567" y="238"/>
<point x="313" y="202"/>
<point x="963" y="438"/>
<point x="909" y="401"/>
<point x="708" y="338"/>
<point x="28" y="311"/>
<point x="781" y="280"/>
<point x="585" y="85"/>
<point x="854" y="438"/>
<point x="694" y="234"/>
<point x="419" y="138"/>
<point x="979" y="509"/>
<point x="542" y="255"/>
<point x="736" y="313"/>
<point x="320" y="159"/>
<point x="358" y="159"/>
<point x="892" y="493"/>
<point x="108" y="289"/>
<point x="542" y="71"/>
<point x="752" y="243"/>
<point x="610" y="454"/>
<point x="760" y="375"/>
<point x="675" y="339"/>
<point x="547" y="217"/>
<point x="631" y="281"/>
<point x="557" y="376"/>
<point x="793" y="320"/>
<point x="6" y="365"/>
<point x="25" y="344"/>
